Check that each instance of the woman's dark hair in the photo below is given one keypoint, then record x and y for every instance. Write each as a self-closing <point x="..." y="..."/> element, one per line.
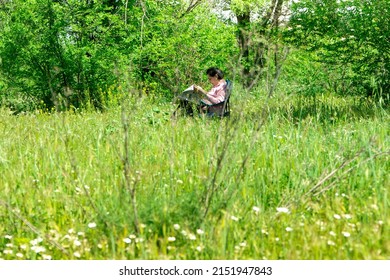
<point x="212" y="71"/>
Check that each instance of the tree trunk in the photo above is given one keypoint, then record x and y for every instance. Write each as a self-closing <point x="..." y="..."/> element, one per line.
<point x="252" y="52"/>
<point x="243" y="21"/>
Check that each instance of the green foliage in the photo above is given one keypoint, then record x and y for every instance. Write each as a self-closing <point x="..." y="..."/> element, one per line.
<point x="176" y="50"/>
<point x="349" y="35"/>
<point x="304" y="75"/>
<point x="70" y="54"/>
<point x="57" y="52"/>
<point x="90" y="54"/>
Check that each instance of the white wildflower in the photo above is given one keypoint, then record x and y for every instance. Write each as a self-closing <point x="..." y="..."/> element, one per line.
<point x="199" y="231"/>
<point x="19" y="255"/>
<point x="347" y="216"/>
<point x="346" y="234"/>
<point x="92" y="225"/>
<point x="8" y="252"/>
<point x="77" y="243"/>
<point x="256" y="209"/>
<point x="288" y="229"/>
<point x="36" y="241"/>
<point x="282" y="210"/>
<point x="374" y="206"/>
<point x="46" y="257"/>
<point x="331" y="243"/>
<point x="336" y="216"/>
<point x="132" y="236"/>
<point x="127" y="240"/>
<point x="9" y="237"/>
<point x="192" y="236"/>
<point x="332" y="233"/>
<point x="77" y="254"/>
<point x="171" y="239"/>
<point x="38" y="249"/>
<point x="234" y="218"/>
<point x="176" y="226"/>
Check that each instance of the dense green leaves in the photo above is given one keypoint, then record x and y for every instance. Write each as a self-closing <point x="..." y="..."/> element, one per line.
<point x="63" y="54"/>
<point x="70" y="53"/>
<point x="176" y="51"/>
<point x="352" y="35"/>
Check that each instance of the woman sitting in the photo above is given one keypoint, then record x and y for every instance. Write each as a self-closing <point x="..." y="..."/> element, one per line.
<point x="218" y="91"/>
<point x="202" y="99"/>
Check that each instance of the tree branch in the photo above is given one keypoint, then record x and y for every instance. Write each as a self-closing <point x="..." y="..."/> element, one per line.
<point x="193" y="4"/>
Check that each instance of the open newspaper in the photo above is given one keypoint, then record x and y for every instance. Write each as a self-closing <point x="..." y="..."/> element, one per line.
<point x="190" y="95"/>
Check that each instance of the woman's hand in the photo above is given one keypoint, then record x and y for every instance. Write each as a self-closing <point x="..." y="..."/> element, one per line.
<point x="199" y="89"/>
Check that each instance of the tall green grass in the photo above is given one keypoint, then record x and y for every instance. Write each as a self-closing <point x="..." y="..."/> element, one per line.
<point x="282" y="178"/>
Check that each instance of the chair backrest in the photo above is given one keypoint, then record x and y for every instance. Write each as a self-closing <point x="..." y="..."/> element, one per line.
<point x="228" y="92"/>
<point x="229" y="89"/>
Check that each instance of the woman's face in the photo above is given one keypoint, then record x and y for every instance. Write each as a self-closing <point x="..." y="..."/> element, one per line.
<point x="213" y="80"/>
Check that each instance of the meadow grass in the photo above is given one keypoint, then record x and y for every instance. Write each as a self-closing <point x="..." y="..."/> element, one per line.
<point x="282" y="178"/>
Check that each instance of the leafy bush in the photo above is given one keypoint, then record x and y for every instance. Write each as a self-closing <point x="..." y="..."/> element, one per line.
<point x="177" y="48"/>
<point x="57" y="53"/>
<point x="352" y="36"/>
<point x="74" y="54"/>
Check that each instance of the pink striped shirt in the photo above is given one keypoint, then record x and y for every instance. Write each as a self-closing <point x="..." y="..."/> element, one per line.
<point x="217" y="93"/>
